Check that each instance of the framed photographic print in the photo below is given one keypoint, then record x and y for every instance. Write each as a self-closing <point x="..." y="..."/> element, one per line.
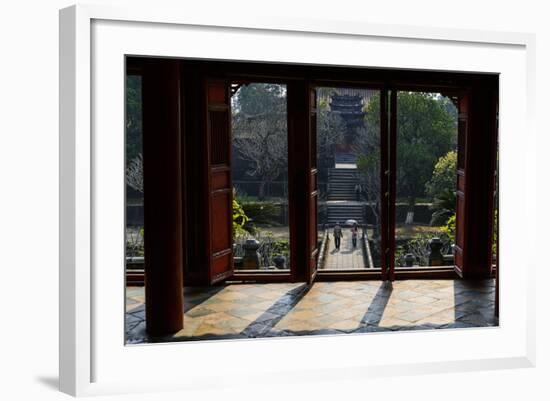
<point x="282" y="196"/>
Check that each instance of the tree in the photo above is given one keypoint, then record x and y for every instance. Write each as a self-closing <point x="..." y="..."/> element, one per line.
<point x="442" y="188"/>
<point x="368" y="161"/>
<point x="444" y="176"/>
<point x="330" y="131"/>
<point x="260" y="131"/>
<point x="134" y="173"/>
<point x="425" y="132"/>
<point x="444" y="206"/>
<point x="133" y="117"/>
<point x="369" y="178"/>
<point x="257" y="99"/>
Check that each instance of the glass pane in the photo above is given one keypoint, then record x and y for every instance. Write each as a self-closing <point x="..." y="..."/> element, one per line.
<point x="348" y="161"/>
<point x="427" y="128"/>
<point x="260" y="177"/>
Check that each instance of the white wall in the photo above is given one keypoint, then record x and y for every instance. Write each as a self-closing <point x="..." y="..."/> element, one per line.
<point x="29" y="200"/>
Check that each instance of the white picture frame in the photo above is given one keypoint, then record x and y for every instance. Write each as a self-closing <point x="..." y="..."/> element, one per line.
<point x="93" y="42"/>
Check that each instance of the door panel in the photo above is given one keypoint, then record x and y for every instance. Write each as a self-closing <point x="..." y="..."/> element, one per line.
<point x="392" y="144"/>
<point x="460" y="234"/>
<point x="220" y="197"/>
<point x="384" y="183"/>
<point x="312" y="186"/>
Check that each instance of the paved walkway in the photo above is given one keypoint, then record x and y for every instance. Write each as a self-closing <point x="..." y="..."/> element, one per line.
<point x="347" y="257"/>
<point x="285" y="309"/>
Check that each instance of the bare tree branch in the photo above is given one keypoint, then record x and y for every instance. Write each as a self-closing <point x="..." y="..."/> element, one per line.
<point x="134" y="173"/>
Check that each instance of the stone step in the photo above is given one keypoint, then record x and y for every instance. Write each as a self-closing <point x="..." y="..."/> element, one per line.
<point x="342" y="185"/>
<point x="342" y="209"/>
<point x="344" y="214"/>
<point x="340" y="198"/>
<point x="350" y="176"/>
<point x="332" y="222"/>
<point x="343" y="218"/>
<point x="342" y="170"/>
<point x="338" y="208"/>
<point x="338" y="177"/>
<point x="335" y="181"/>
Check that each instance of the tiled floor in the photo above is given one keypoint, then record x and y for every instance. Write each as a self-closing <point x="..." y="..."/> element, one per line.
<point x="271" y="310"/>
<point x="347" y="257"/>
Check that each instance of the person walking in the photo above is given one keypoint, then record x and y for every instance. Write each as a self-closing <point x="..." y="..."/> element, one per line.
<point x="337" y="232"/>
<point x="354" y="233"/>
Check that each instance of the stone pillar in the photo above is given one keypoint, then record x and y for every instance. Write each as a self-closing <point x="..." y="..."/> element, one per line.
<point x="251" y="258"/>
<point x="436" y="257"/>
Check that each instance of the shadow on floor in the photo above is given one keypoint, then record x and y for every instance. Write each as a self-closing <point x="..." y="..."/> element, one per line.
<point x="273" y="315"/>
<point x="376" y="308"/>
<point x="474" y="304"/>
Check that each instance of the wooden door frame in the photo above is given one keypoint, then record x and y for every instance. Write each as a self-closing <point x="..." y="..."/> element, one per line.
<point x="288" y="74"/>
<point x="392" y="141"/>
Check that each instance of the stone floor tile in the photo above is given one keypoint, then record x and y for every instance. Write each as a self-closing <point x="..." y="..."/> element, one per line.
<point x="189" y="328"/>
<point x="206" y="328"/>
<point x="424" y="299"/>
<point x="391" y="322"/>
<point x="199" y="311"/>
<point x="348" y="324"/>
<point x="439" y="318"/>
<point x="267" y="310"/>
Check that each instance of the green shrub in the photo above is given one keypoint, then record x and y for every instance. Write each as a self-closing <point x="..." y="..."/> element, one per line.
<point x="239" y="219"/>
<point x="444" y="176"/>
<point x="262" y="212"/>
<point x="450" y="228"/>
<point x="419" y="247"/>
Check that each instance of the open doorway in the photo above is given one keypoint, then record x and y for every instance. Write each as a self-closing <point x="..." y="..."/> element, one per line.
<point x="426" y="148"/>
<point x="348" y="162"/>
<point x="387" y="178"/>
<point x="259" y="173"/>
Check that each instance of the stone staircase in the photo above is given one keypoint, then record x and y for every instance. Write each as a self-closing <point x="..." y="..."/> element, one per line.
<point x="341" y="182"/>
<point x="340" y="212"/>
<point x="341" y="200"/>
<point x="345" y="158"/>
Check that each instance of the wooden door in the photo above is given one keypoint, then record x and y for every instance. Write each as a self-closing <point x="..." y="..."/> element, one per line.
<point x="312" y="193"/>
<point x="460" y="227"/>
<point x="220" y="188"/>
<point x="384" y="184"/>
<point x="388" y="165"/>
<point x="495" y="217"/>
<point x="392" y="186"/>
